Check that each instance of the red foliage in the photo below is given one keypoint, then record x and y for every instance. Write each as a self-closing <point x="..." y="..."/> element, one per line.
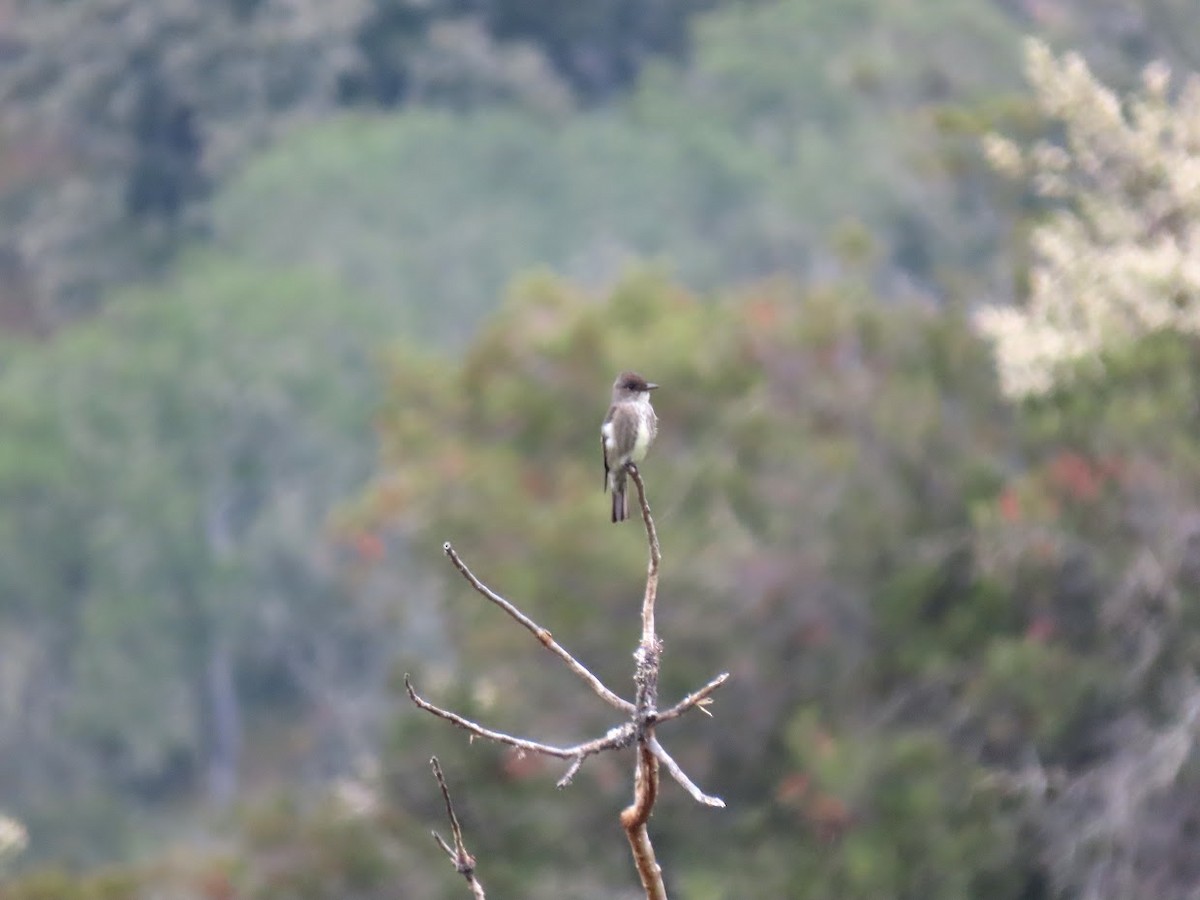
<point x="369" y="546"/>
<point x="829" y="816"/>
<point x="1041" y="629"/>
<point x="1010" y="505"/>
<point x="1076" y="476"/>
<point x="763" y="313"/>
<point x="214" y="886"/>
<point x="793" y="788"/>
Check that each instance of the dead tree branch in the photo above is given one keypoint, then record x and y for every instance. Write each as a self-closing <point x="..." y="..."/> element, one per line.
<point x="634" y="819"/>
<point x="644" y="715"/>
<point x="674" y="770"/>
<point x="651" y="595"/>
<point x="616" y="738"/>
<point x="464" y="862"/>
<point x="543" y="635"/>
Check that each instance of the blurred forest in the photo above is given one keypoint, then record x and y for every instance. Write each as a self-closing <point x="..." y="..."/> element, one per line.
<point x="293" y="292"/>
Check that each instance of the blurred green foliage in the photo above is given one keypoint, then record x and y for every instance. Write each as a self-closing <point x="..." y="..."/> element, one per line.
<point x="168" y="473"/>
<point x="792" y="122"/>
<point x="457" y="205"/>
<point x="916" y="625"/>
<point x="117" y="118"/>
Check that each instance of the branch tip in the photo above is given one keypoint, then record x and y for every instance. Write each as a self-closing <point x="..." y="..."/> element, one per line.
<point x="680" y="776"/>
<point x="464" y="862"/>
<point x="571" y="772"/>
<point x="442" y="843"/>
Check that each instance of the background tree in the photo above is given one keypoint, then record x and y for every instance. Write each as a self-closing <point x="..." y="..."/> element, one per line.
<point x="1102" y="357"/>
<point x="132" y="109"/>
<point x="729" y="168"/>
<point x="126" y="112"/>
<point x="817" y="479"/>
<point x="168" y="474"/>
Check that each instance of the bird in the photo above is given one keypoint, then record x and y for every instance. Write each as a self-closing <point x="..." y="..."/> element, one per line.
<point x="628" y="431"/>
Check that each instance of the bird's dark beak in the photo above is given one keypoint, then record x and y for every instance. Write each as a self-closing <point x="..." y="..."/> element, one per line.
<point x="651" y="387"/>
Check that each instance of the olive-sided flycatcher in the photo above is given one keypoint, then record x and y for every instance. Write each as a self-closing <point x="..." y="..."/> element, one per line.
<point x="626" y="435"/>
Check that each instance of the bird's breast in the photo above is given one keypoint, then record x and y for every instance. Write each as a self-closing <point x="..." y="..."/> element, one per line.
<point x="641" y="443"/>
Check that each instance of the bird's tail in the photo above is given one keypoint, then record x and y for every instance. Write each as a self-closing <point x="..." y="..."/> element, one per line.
<point x="620" y="503"/>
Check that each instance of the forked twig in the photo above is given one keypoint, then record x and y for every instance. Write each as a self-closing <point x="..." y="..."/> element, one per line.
<point x="464" y="862"/>
<point x="698" y="699"/>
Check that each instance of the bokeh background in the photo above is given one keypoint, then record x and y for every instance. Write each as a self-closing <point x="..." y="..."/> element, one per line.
<point x="293" y="291"/>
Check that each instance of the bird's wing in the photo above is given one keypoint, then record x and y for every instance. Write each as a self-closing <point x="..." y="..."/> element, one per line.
<point x="605" y="433"/>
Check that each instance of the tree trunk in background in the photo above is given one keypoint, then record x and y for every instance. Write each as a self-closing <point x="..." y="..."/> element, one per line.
<point x="222" y="714"/>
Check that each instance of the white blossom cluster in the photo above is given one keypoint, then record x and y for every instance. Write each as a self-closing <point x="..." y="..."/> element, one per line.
<point x="13" y="837"/>
<point x="1120" y="257"/>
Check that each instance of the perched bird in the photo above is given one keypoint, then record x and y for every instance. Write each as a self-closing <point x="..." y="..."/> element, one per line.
<point x="626" y="435"/>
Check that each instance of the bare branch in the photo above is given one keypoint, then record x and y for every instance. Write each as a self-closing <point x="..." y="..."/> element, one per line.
<point x="697" y="699"/>
<point x="455" y="828"/>
<point x="639" y="729"/>
<point x="543" y="636"/>
<point x="621" y="736"/>
<point x="634" y="819"/>
<point x="464" y="862"/>
<point x="649" y="635"/>
<point x="678" y="774"/>
<point x="645" y="789"/>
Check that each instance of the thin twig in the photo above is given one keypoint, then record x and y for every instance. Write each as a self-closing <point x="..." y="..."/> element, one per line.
<point x="571" y="772"/>
<point x="698" y="699"/>
<point x="621" y="736"/>
<point x="464" y="862"/>
<point x="543" y="636"/>
<point x="674" y="770"/>
<point x="455" y="828"/>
